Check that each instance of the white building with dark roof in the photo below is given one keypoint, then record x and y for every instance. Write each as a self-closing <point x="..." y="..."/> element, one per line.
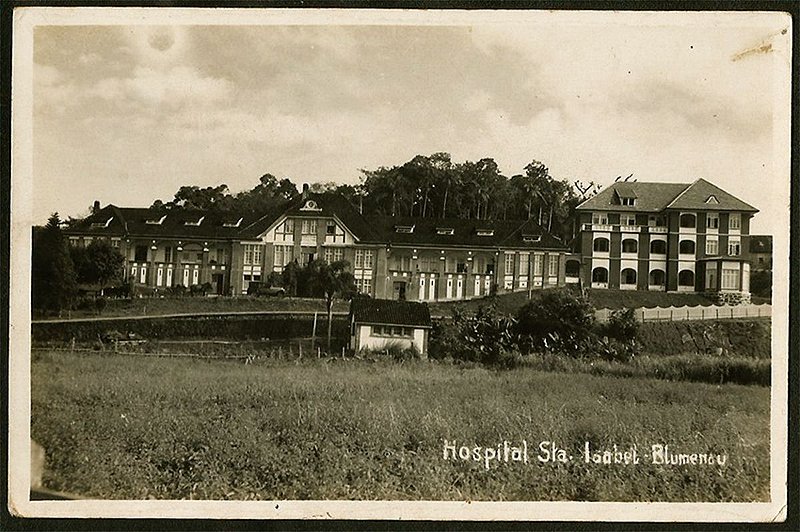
<point x="666" y="237"/>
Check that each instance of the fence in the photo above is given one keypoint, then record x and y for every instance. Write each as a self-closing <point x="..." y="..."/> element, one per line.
<point x="694" y="313"/>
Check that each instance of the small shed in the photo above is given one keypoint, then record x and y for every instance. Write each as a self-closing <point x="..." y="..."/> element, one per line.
<point x="380" y="323"/>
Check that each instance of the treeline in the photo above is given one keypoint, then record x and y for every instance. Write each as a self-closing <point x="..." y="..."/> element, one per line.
<point x="431" y="186"/>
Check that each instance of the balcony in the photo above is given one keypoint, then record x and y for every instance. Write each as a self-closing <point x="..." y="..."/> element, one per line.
<point x="656" y="229"/>
<point x="598" y="227"/>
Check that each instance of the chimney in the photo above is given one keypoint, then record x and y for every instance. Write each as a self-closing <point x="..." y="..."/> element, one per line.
<point x="305" y="190"/>
<point x="96" y="206"/>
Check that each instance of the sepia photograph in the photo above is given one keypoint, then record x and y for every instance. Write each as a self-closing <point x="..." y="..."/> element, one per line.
<point x="399" y="264"/>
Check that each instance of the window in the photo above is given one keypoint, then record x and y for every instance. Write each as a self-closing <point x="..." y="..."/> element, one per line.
<point x="629" y="201"/>
<point x="657" y="278"/>
<point x="600" y="218"/>
<point x="140" y="254"/>
<point x="445" y="230"/>
<point x="484" y="232"/>
<point x="392" y="330"/>
<point x="573" y="268"/>
<point x="712" y="246"/>
<point x="627" y="219"/>
<point x="686" y="278"/>
<point x="509" y="264"/>
<point x="686" y="247"/>
<point x="552" y="265"/>
<point x="401" y="262"/>
<point x="688" y="221"/>
<point x="734" y="247"/>
<point x="599" y="275"/>
<point x="309" y="227"/>
<point x="283" y="256"/>
<point x="286" y="228"/>
<point x="628" y="276"/>
<point x="658" y="247"/>
<point x="712" y="220"/>
<point x="167" y="254"/>
<point x="368" y="258"/>
<point x="524" y="262"/>
<point x="252" y="254"/>
<point x="656" y="221"/>
<point x="366" y="286"/>
<point x="538" y="264"/>
<point x="404" y="228"/>
<point x="114" y="242"/>
<point x="333" y="254"/>
<point x="601" y="244"/>
<point x="461" y="266"/>
<point x="330" y="228"/>
<point x="222" y="256"/>
<point x="629" y="245"/>
<point x="490" y="268"/>
<point x="730" y="279"/>
<point x="195" y="222"/>
<point x="359" y="258"/>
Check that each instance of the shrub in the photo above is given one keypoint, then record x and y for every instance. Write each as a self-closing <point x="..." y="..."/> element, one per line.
<point x="622" y="325"/>
<point x="482" y="337"/>
<point x="100" y="304"/>
<point x="559" y="320"/>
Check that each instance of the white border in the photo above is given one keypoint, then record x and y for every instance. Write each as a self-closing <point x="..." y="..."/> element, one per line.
<point x="25" y="20"/>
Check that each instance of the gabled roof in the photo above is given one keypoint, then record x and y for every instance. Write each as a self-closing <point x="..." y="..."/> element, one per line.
<point x="696" y="195"/>
<point x="498" y="233"/>
<point x="760" y="243"/>
<point x="324" y="205"/>
<point x="389" y="312"/>
<point x="656" y="197"/>
<point x="650" y="197"/>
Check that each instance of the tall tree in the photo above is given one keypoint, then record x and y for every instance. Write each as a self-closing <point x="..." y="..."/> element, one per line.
<point x="332" y="280"/>
<point x="98" y="264"/>
<point x="52" y="276"/>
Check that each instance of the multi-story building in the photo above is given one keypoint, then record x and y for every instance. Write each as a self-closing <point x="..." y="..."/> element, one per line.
<point x="666" y="237"/>
<point x="422" y="259"/>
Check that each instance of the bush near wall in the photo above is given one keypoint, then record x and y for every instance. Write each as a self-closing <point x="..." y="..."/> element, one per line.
<point x="238" y="327"/>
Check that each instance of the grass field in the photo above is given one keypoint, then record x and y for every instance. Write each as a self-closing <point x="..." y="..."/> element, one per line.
<point x="136" y="427"/>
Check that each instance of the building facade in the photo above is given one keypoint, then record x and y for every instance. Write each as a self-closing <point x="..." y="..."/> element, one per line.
<point x="415" y="259"/>
<point x="666" y="237"/>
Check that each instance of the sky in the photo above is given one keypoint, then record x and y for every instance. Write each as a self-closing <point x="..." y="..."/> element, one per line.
<point x="128" y="113"/>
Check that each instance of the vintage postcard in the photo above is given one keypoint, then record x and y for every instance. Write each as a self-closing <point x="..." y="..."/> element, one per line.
<point x="400" y="264"/>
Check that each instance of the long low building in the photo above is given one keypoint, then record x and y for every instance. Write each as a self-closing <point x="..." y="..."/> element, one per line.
<point x="417" y="259"/>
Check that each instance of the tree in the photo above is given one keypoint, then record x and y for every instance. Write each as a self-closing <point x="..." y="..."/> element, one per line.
<point x="98" y="263"/>
<point x="331" y="280"/>
<point x="53" y="277"/>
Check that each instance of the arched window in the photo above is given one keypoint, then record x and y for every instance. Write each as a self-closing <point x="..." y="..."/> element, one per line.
<point x="573" y="268"/>
<point x="600" y="275"/>
<point x="658" y="247"/>
<point x="657" y="278"/>
<point x="601" y="244"/>
<point x="686" y="278"/>
<point x="688" y="220"/>
<point x="686" y="247"/>
<point x="628" y="276"/>
<point x="629" y="245"/>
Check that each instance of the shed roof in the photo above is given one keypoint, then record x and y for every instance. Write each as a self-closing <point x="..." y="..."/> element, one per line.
<point x="390" y="312"/>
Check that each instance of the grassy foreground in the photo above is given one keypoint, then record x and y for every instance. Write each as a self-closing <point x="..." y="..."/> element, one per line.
<point x="138" y="427"/>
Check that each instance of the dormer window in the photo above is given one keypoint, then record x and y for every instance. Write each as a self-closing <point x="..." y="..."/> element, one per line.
<point x="195" y="223"/>
<point x="712" y="200"/>
<point x="157" y="221"/>
<point x="310" y="205"/>
<point x="102" y="224"/>
<point x="445" y="230"/>
<point x="630" y="202"/>
<point x="484" y="232"/>
<point x="231" y="223"/>
<point x="403" y="228"/>
<point x="531" y="238"/>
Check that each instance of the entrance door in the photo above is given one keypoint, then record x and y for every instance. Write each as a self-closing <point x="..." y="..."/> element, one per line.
<point x="400" y="291"/>
<point x="217" y="279"/>
<point x="711" y="277"/>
